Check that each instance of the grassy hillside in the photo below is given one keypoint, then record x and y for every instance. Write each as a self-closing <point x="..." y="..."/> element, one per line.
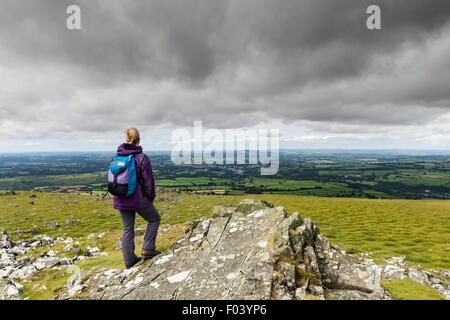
<point x="419" y="229"/>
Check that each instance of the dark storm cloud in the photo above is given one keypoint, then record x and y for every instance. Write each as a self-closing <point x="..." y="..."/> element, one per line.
<point x="154" y="39"/>
<point x="226" y="62"/>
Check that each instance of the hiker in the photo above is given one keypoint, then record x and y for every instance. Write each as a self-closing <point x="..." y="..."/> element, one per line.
<point x="141" y="201"/>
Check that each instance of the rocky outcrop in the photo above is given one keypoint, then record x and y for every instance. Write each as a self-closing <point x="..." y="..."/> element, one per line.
<point x="398" y="269"/>
<point x="10" y="290"/>
<point x="15" y="265"/>
<point x="249" y="251"/>
<point x="252" y="251"/>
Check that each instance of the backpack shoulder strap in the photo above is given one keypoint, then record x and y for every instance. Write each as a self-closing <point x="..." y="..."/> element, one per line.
<point x="113" y="158"/>
<point x="139" y="158"/>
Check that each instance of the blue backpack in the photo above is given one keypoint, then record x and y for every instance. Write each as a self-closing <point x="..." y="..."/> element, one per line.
<point x="122" y="179"/>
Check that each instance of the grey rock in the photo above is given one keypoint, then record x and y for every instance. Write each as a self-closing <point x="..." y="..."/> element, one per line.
<point x="25" y="261"/>
<point x="223" y="211"/>
<point x="42" y="241"/>
<point x="50" y="262"/>
<point x="51" y="224"/>
<point x="23" y="272"/>
<point x="37" y="238"/>
<point x="391" y="272"/>
<point x="251" y="205"/>
<point x="348" y="294"/>
<point x="445" y="273"/>
<point x="301" y="291"/>
<point x="317" y="290"/>
<point x="118" y="244"/>
<point x="65" y="261"/>
<point x="5" y="241"/>
<point x="35" y="244"/>
<point x="6" y="271"/>
<point x="430" y="279"/>
<point x="10" y="290"/>
<point x="59" y="240"/>
<point x="342" y="272"/>
<point x="73" y="222"/>
<point x="255" y="253"/>
<point x="418" y="276"/>
<point x="397" y="260"/>
<point x="75" y="251"/>
<point x="91" y="251"/>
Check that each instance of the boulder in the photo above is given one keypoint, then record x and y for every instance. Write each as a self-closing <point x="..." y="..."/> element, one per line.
<point x="59" y="240"/>
<point x="50" y="262"/>
<point x="5" y="241"/>
<point x="223" y="211"/>
<point x="418" y="276"/>
<point x="44" y="240"/>
<point x="67" y="248"/>
<point x="397" y="260"/>
<point x="10" y="290"/>
<point x="75" y="251"/>
<point x="91" y="251"/>
<point x="391" y="272"/>
<point x="51" y="224"/>
<point x="73" y="222"/>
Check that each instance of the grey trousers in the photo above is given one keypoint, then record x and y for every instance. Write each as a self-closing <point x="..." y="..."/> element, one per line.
<point x="153" y="218"/>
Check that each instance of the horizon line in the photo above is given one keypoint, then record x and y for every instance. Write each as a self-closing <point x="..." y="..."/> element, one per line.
<point x="395" y="150"/>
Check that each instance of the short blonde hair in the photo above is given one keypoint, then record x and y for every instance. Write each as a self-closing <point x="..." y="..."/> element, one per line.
<point x="132" y="136"/>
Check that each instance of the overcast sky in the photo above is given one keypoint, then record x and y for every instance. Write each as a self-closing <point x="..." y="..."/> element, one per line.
<point x="308" y="67"/>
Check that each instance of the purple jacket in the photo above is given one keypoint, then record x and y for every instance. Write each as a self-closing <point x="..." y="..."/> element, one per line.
<point x="145" y="190"/>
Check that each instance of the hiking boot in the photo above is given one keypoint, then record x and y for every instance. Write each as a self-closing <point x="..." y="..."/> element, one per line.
<point x="148" y="254"/>
<point x="131" y="266"/>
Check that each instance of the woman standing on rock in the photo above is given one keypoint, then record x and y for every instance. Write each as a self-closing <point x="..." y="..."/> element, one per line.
<point x="141" y="201"/>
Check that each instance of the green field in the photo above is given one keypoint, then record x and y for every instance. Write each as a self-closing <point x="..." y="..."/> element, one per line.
<point x="344" y="174"/>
